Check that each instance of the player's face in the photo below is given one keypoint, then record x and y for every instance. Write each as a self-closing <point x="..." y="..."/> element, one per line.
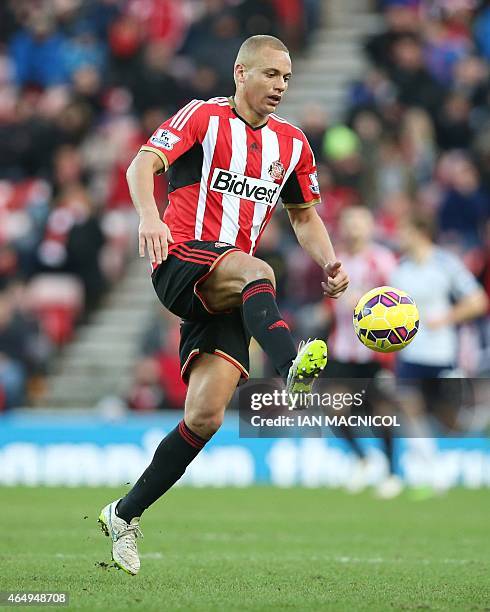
<point x="356" y="226"/>
<point x="267" y="80"/>
<point x="407" y="236"/>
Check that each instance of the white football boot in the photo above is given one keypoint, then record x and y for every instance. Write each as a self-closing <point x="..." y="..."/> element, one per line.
<point x="359" y="479"/>
<point x="123" y="536"/>
<point x="389" y="488"/>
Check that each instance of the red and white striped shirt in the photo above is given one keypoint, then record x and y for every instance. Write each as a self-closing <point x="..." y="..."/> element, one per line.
<point x="225" y="177"/>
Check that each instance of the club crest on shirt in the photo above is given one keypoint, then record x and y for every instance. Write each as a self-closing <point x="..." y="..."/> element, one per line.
<point x="164" y="139"/>
<point x="276" y="170"/>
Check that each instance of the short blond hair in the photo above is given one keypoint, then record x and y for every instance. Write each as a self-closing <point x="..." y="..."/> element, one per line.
<point x="251" y="46"/>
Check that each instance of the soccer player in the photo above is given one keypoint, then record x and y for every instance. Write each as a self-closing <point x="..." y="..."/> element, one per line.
<point x="228" y="160"/>
<point x="370" y="265"/>
<point x="446" y="294"/>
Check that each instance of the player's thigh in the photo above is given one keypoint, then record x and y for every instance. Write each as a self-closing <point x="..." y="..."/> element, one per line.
<point x="222" y="289"/>
<point x="212" y="382"/>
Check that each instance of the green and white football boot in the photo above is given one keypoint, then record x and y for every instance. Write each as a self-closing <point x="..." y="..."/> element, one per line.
<point x="306" y="367"/>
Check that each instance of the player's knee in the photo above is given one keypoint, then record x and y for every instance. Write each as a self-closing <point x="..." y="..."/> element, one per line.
<point x="258" y="270"/>
<point x="205" y="423"/>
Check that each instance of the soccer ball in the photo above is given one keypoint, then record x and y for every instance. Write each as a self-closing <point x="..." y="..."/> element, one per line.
<point x="386" y="319"/>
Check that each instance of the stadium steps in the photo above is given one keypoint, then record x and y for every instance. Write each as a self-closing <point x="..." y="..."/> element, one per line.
<point x="335" y="58"/>
<point x="98" y="362"/>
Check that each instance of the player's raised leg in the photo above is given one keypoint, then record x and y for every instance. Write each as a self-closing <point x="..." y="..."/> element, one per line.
<point x="212" y="382"/>
<point x="247" y="281"/>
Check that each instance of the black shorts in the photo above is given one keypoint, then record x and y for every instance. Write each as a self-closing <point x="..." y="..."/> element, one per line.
<point x="176" y="282"/>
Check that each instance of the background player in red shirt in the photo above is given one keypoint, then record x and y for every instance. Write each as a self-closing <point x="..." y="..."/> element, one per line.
<point x="229" y="160"/>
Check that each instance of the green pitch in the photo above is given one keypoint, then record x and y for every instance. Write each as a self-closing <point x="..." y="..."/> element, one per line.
<point x="254" y="549"/>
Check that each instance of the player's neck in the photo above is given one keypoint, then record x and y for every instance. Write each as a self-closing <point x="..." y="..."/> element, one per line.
<point x="422" y="252"/>
<point x="354" y="248"/>
<point x="244" y="110"/>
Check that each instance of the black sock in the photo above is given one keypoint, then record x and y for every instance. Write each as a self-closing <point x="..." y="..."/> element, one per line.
<point x="352" y="441"/>
<point x="266" y="325"/>
<point x="388" y="449"/>
<point x="173" y="455"/>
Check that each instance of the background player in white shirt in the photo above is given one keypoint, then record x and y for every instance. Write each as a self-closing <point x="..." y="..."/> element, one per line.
<point x="446" y="294"/>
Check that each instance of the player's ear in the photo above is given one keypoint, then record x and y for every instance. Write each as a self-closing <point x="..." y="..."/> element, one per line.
<point x="240" y="71"/>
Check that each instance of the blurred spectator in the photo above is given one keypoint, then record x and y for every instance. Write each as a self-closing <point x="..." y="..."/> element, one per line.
<point x="226" y="37"/>
<point x="453" y="123"/>
<point x="400" y="19"/>
<point x="314" y="125"/>
<point x="442" y="49"/>
<point x="394" y="174"/>
<point x="36" y="51"/>
<point x="465" y="207"/>
<point x="73" y="241"/>
<point x="258" y="16"/>
<point x="83" y="50"/>
<point x="203" y="82"/>
<point x="471" y="80"/>
<point x="157" y="383"/>
<point x="292" y="22"/>
<point x="342" y="150"/>
<point x="125" y="42"/>
<point x="482" y="32"/>
<point x="334" y="198"/>
<point x="160" y="20"/>
<point x="369" y="128"/>
<point x="153" y="84"/>
<point x="375" y="90"/>
<point x="23" y="349"/>
<point x="416" y="87"/>
<point x="418" y="143"/>
<point x="146" y="394"/>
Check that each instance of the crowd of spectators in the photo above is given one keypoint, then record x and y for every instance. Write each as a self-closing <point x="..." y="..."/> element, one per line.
<point x="82" y="84"/>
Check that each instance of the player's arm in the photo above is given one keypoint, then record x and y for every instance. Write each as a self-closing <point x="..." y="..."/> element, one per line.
<point x="470" y="307"/>
<point x="470" y="300"/>
<point x="467" y="308"/>
<point x="169" y="141"/>
<point x="313" y="237"/>
<point x="300" y="194"/>
<point x="154" y="234"/>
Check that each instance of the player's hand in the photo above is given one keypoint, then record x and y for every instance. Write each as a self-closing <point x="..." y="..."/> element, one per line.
<point x="435" y="323"/>
<point x="154" y="236"/>
<point x="337" y="280"/>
